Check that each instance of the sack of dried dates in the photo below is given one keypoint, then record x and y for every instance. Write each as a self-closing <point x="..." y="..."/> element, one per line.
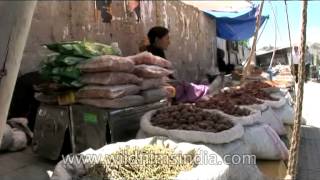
<point x="225" y="107"/>
<point x="187" y="123"/>
<point x="265" y="143"/>
<point x="187" y="161"/>
<point x="191" y="124"/>
<point x="268" y="116"/>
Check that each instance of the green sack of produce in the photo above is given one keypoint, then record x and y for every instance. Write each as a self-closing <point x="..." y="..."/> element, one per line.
<point x="59" y="60"/>
<point x="66" y="76"/>
<point x="84" y="48"/>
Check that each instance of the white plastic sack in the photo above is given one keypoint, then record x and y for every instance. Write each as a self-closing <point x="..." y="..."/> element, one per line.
<point x="275" y="104"/>
<point x="259" y="107"/>
<point x="226" y="136"/>
<point x="6" y="138"/>
<point x="254" y="117"/>
<point x="285" y="114"/>
<point x="268" y="117"/>
<point x="241" y="171"/>
<point x="19" y="140"/>
<point x="204" y="170"/>
<point x="265" y="143"/>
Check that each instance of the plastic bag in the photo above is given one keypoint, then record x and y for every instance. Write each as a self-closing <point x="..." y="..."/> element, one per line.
<point x="84" y="48"/>
<point x="268" y="117"/>
<point x="110" y="78"/>
<point x="149" y="59"/>
<point x="108" y="92"/>
<point x="152" y="83"/>
<point x="285" y="114"/>
<point x="107" y="63"/>
<point x="124" y="102"/>
<point x="154" y="95"/>
<point x="150" y="71"/>
<point x="265" y="143"/>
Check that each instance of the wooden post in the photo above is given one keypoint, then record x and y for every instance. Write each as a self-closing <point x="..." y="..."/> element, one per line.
<point x="246" y="69"/>
<point x="295" y="140"/>
<point x="15" y="20"/>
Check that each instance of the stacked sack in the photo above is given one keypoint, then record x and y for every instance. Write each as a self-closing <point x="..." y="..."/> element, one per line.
<point x="110" y="83"/>
<point x="154" y="71"/>
<point x="60" y="68"/>
<point x="121" y="82"/>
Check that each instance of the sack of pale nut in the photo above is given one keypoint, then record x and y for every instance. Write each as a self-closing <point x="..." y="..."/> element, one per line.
<point x="187" y="161"/>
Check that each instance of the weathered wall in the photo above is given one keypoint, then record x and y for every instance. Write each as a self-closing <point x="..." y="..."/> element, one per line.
<point x="193" y="40"/>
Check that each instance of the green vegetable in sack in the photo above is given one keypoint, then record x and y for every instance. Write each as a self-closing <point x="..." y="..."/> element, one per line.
<point x="69" y="72"/>
<point x="83" y="49"/>
<point x="63" y="60"/>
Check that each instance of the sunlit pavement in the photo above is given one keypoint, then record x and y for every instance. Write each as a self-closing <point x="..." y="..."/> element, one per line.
<point x="311" y="106"/>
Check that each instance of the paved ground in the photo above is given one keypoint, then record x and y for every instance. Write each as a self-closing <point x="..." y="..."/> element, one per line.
<point x="24" y="165"/>
<point x="311" y="107"/>
<point x="309" y="159"/>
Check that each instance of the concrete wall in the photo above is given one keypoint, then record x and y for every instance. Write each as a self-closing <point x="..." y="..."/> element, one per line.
<point x="193" y="35"/>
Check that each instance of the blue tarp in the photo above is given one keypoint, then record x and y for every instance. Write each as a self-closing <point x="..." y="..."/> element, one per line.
<point x="237" y="28"/>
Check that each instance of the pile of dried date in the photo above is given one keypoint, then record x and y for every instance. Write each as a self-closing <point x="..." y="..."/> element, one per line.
<point x="238" y="97"/>
<point x="257" y="85"/>
<point x="189" y="117"/>
<point x="223" y="104"/>
<point x="257" y="93"/>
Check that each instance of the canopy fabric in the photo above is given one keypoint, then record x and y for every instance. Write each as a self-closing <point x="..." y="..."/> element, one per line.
<point x="237" y="28"/>
<point x="220" y="6"/>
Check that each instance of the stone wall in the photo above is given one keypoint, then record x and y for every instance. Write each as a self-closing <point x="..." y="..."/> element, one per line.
<point x="192" y="33"/>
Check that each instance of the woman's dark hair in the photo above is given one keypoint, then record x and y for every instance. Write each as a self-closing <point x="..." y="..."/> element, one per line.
<point x="157" y="32"/>
<point x="220" y="53"/>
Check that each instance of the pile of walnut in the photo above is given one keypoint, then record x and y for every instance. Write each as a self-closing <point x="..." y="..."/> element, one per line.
<point x="223" y="104"/>
<point x="188" y="117"/>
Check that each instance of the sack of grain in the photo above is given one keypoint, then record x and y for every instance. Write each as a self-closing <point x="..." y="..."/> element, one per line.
<point x="275" y="104"/>
<point x="107" y="63"/>
<point x="215" y="170"/>
<point x="152" y="83"/>
<point x="245" y="170"/>
<point x="193" y="136"/>
<point x="110" y="78"/>
<point x="265" y="143"/>
<point x="123" y="102"/>
<point x="154" y="95"/>
<point x="150" y="71"/>
<point x="107" y="92"/>
<point x="149" y="59"/>
<point x="253" y="118"/>
<point x="268" y="117"/>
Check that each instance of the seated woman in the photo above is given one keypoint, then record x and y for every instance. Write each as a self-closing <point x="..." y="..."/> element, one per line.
<point x="159" y="41"/>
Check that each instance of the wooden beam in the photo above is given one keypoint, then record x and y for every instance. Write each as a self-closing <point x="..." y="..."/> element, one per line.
<point x="295" y="140"/>
<point x="15" y="20"/>
<point x="246" y="70"/>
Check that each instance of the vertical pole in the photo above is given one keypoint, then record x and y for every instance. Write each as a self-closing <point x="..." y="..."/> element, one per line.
<point x="246" y="70"/>
<point x="295" y="140"/>
<point x="15" y="18"/>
